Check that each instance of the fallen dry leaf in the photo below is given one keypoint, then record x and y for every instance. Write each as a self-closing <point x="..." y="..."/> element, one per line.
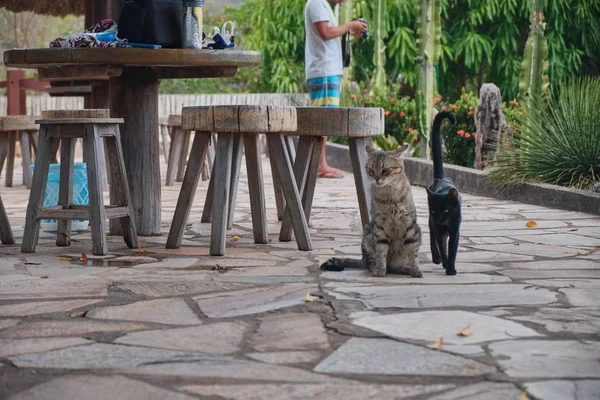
<point x="44" y="277"/>
<point x="523" y="396"/>
<point x="84" y="258"/>
<point x="587" y="253"/>
<point x="307" y="298"/>
<point x="466" y="331"/>
<point x="573" y="229"/>
<point x="531" y="224"/>
<point x="235" y="238"/>
<point x="438" y="345"/>
<point x="140" y="251"/>
<point x="598" y="359"/>
<point x="66" y="259"/>
<point x="109" y="238"/>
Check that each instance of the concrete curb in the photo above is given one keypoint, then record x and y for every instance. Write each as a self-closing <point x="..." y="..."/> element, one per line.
<point x="468" y="180"/>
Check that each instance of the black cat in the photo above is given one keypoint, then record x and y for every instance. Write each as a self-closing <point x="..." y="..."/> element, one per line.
<point x="444" y="205"/>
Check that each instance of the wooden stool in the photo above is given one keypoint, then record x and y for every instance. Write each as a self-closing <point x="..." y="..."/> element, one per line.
<point x="234" y="125"/>
<point x="65" y="127"/>
<point x="356" y="124"/>
<point x="23" y="128"/>
<point x="6" y="235"/>
<point x="178" y="152"/>
<point x="163" y="128"/>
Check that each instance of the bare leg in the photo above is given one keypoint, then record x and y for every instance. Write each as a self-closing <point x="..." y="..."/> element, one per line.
<point x="325" y="171"/>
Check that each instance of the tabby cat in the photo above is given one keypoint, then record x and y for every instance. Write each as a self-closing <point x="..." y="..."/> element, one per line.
<point x="444" y="205"/>
<point x="391" y="240"/>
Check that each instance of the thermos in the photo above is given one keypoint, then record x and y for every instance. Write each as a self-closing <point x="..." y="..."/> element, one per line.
<point x="192" y="24"/>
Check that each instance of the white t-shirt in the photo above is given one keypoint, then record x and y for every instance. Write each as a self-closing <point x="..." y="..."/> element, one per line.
<point x="323" y="58"/>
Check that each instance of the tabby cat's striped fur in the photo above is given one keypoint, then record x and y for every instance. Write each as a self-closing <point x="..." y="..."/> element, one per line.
<point x="392" y="239"/>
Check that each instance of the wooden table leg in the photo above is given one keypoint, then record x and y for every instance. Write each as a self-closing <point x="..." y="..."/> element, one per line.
<point x="134" y="97"/>
<point x="358" y="157"/>
<point x="222" y="180"/>
<point x="10" y="160"/>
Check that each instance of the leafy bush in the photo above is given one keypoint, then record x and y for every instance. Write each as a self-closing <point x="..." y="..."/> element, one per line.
<point x="559" y="143"/>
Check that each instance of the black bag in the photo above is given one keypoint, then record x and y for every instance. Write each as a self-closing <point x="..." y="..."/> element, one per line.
<point x="152" y="22"/>
<point x="346" y="52"/>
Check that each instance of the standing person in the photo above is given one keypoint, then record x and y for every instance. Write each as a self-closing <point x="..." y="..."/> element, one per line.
<point x="323" y="58"/>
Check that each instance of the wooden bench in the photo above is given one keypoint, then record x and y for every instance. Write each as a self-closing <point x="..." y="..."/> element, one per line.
<point x="93" y="127"/>
<point x="24" y="129"/>
<point x="235" y="125"/>
<point x="358" y="125"/>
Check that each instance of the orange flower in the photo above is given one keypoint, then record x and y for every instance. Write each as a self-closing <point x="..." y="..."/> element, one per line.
<point x="474" y="134"/>
<point x="514" y="102"/>
<point x="394" y="115"/>
<point x="436" y="100"/>
<point x="386" y="113"/>
<point x="470" y="108"/>
<point x="370" y="99"/>
<point x="402" y="113"/>
<point x="353" y="97"/>
<point x="364" y="91"/>
<point x="470" y="113"/>
<point x="460" y="133"/>
<point x="467" y="135"/>
<point x="444" y="108"/>
<point x="454" y="107"/>
<point x="409" y="130"/>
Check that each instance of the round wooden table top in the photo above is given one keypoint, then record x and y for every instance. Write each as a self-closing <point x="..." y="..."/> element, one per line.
<point x="40" y="58"/>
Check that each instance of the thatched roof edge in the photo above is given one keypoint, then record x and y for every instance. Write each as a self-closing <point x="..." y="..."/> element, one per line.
<point x="49" y="7"/>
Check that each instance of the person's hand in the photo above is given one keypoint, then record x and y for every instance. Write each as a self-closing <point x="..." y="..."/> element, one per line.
<point x="357" y="28"/>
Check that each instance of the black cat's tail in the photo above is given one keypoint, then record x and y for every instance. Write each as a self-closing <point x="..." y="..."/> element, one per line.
<point x="436" y="143"/>
<point x="339" y="264"/>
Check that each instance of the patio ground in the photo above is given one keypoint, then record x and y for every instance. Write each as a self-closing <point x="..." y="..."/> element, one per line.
<point x="263" y="322"/>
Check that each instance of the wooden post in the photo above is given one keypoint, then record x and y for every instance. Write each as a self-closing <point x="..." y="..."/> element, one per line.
<point x="134" y="98"/>
<point x="16" y="98"/>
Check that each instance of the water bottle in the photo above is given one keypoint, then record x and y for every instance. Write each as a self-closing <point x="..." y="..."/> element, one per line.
<point x="192" y="24"/>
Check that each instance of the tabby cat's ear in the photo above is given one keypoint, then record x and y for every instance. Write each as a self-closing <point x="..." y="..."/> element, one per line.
<point x="453" y="194"/>
<point x="370" y="149"/>
<point x="400" y="150"/>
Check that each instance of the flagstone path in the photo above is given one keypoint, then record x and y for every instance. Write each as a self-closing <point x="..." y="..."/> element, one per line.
<point x="264" y="322"/>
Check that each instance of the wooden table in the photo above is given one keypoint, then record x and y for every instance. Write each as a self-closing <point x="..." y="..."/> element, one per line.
<point x="134" y="75"/>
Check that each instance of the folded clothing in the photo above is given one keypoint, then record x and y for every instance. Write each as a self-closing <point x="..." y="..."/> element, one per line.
<point x="88" y="38"/>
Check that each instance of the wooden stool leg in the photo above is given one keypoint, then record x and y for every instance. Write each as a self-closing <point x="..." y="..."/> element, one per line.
<point x="104" y="167"/>
<point x="305" y="149"/>
<point x="208" y="161"/>
<point x="188" y="189"/>
<point x="256" y="188"/>
<point x="236" y="166"/>
<point x="184" y="156"/>
<point x="3" y="149"/>
<point x="311" y="179"/>
<point x="120" y="187"/>
<point x="222" y="181"/>
<point x="358" y="157"/>
<point x="174" y="155"/>
<point x="208" y="202"/>
<point x="279" y="199"/>
<point x="164" y="131"/>
<point x="91" y="155"/>
<point x="290" y="190"/>
<point x="291" y="149"/>
<point x="26" y="158"/>
<point x="10" y="161"/>
<point x="65" y="193"/>
<point x="6" y="235"/>
<point x="54" y="151"/>
<point x="38" y="189"/>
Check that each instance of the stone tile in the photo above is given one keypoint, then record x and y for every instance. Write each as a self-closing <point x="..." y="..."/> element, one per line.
<point x="566" y="283"/>
<point x="428" y="326"/>
<point x="431" y="278"/>
<point x="559" y="239"/>
<point x="162" y="311"/>
<point x="582" y="297"/>
<point x="551" y="273"/>
<point x="290" y="332"/>
<point x="556" y="215"/>
<point x="7" y="323"/>
<point x="529" y="249"/>
<point x="43" y="307"/>
<point x="532" y="359"/>
<point x="85" y="286"/>
<point x="387" y="357"/>
<point x="463" y="268"/>
<point x="14" y="347"/>
<point x="94" y="387"/>
<point x="232" y="369"/>
<point x="565" y="390"/>
<point x="355" y="391"/>
<point x="572" y="320"/>
<point x="175" y="287"/>
<point x="489" y="240"/>
<point x="218" y="338"/>
<point x="510" y="225"/>
<point x="488" y="256"/>
<point x="135" y="259"/>
<point x="100" y="356"/>
<point x="484" y="390"/>
<point x="261" y="279"/>
<point x="438" y="295"/>
<point x="170" y="263"/>
<point x="66" y="328"/>
<point x="286" y="357"/>
<point x="233" y="304"/>
<point x="557" y="264"/>
<point x="283" y="270"/>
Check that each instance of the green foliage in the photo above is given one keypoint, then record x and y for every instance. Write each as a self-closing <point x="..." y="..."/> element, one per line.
<point x="459" y="140"/>
<point x="534" y="81"/>
<point x="559" y="143"/>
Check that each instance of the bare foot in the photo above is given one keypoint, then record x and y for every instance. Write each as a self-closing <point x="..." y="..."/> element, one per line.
<point x="330" y="173"/>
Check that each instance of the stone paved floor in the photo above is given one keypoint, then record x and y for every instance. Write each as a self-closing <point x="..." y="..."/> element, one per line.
<point x="265" y="323"/>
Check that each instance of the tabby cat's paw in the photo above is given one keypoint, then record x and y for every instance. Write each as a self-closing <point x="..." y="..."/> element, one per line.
<point x="378" y="272"/>
<point x="451" y="271"/>
<point x="416" y="273"/>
